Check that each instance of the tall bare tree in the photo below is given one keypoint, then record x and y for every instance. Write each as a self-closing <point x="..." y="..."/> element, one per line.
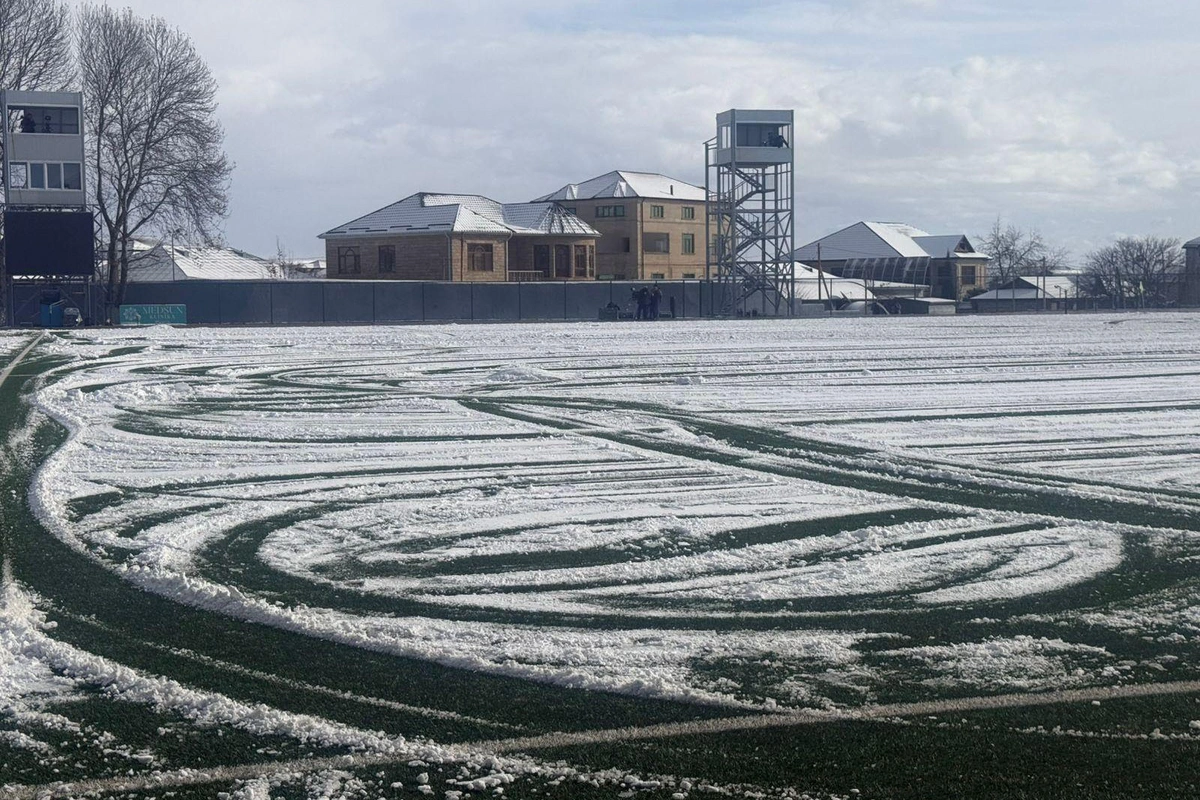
<point x="35" y="45"/>
<point x="1015" y="252"/>
<point x="1135" y="271"/>
<point x="155" y="150"/>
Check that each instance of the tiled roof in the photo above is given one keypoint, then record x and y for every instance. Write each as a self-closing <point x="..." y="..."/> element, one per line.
<point x="427" y="212"/>
<point x="623" y="183"/>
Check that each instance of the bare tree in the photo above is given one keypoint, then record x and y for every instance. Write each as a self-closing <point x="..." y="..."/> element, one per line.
<point x="1142" y="271"/>
<point x="35" y="45"/>
<point x="155" y="144"/>
<point x="1015" y="252"/>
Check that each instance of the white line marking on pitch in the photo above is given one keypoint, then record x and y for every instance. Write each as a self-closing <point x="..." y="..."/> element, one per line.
<point x="194" y="777"/>
<point x="13" y="364"/>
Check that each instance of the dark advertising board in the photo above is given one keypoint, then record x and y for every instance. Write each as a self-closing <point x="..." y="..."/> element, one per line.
<point x="51" y="243"/>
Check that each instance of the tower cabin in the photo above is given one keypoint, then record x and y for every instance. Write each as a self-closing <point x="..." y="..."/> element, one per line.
<point x="43" y="148"/>
<point x="754" y="137"/>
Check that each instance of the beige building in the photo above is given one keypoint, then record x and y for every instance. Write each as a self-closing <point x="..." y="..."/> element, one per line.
<point x="651" y="226"/>
<point x="455" y="237"/>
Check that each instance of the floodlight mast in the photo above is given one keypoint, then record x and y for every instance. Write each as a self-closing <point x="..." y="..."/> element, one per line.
<point x="750" y="184"/>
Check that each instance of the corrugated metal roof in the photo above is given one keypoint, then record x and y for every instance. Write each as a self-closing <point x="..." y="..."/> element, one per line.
<point x="624" y="183"/>
<point x="1000" y="295"/>
<point x="885" y="240"/>
<point x="164" y="261"/>
<point x="939" y="246"/>
<point x="1054" y="285"/>
<point x="811" y="285"/>
<point x="427" y="212"/>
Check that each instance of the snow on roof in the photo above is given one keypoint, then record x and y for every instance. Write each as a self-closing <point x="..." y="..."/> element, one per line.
<point x="1193" y="243"/>
<point x="938" y="246"/>
<point x="624" y="183"/>
<point x="1001" y="295"/>
<point x="428" y="212"/>
<point x="886" y="240"/>
<point x="165" y="261"/>
<point x="1052" y="285"/>
<point x="811" y="285"/>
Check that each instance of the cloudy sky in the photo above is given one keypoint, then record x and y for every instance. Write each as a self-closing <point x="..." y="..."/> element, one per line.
<point x="1077" y="117"/>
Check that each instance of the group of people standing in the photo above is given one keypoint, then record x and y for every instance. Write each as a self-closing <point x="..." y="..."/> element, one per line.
<point x="648" y="301"/>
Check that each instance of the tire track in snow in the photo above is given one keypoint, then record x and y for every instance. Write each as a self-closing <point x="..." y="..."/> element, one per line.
<point x="202" y="776"/>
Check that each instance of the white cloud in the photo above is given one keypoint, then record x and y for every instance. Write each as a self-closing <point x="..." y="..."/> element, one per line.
<point x="912" y="109"/>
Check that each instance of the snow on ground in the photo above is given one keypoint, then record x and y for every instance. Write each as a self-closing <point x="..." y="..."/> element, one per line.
<point x="554" y="474"/>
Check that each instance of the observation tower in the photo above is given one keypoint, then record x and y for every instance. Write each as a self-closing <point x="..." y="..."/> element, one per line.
<point x="750" y="184"/>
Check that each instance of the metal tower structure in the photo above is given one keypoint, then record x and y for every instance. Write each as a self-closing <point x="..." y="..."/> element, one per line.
<point x="750" y="184"/>
<point x="48" y="242"/>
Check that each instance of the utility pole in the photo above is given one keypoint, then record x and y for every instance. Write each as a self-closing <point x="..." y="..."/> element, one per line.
<point x="820" y="276"/>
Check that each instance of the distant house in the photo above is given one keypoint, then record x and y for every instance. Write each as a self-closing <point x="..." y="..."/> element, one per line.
<point x="302" y="269"/>
<point x="1189" y="287"/>
<point x="1030" y="293"/>
<point x="156" y="262"/>
<point x="891" y="252"/>
<point x="462" y="237"/>
<point x="652" y="227"/>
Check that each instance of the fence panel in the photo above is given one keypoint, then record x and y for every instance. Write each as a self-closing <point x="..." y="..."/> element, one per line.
<point x="496" y="302"/>
<point x="447" y="301"/>
<point x="348" y="302"/>
<point x="296" y="303"/>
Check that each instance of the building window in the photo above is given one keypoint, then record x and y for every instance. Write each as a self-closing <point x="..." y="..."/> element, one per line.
<point x="657" y="212"/>
<point x="387" y="258"/>
<point x="591" y="261"/>
<point x="562" y="260"/>
<point x="656" y="243"/>
<point x="968" y="274"/>
<point x="610" y="211"/>
<point x="689" y="276"/>
<point x="581" y="261"/>
<point x="347" y="261"/>
<point x="626" y="245"/>
<point x="687" y="212"/>
<point x="541" y="259"/>
<point x="658" y="276"/>
<point x="18" y="175"/>
<point x="54" y="175"/>
<point x="41" y="119"/>
<point x="479" y="257"/>
<point x="688" y="244"/>
<point x="571" y="210"/>
<point x="73" y="177"/>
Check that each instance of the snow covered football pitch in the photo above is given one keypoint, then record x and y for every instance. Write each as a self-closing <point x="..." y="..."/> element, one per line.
<point x="893" y="557"/>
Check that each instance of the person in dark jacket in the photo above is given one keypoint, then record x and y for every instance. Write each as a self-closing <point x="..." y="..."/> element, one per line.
<point x="642" y="297"/>
<point x="655" y="301"/>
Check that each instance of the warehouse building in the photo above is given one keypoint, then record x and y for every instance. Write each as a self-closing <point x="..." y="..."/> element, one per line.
<point x="890" y="252"/>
